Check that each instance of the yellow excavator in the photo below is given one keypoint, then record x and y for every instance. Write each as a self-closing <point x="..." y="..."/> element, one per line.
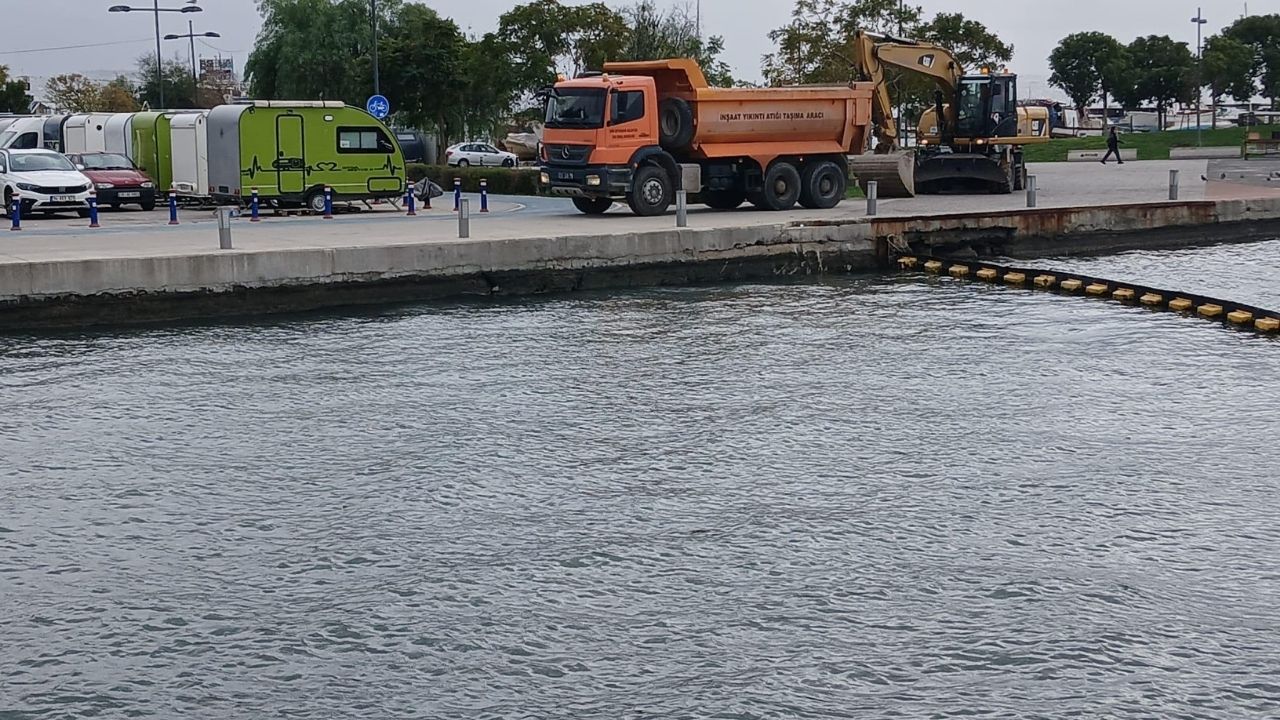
<point x="970" y="140"/>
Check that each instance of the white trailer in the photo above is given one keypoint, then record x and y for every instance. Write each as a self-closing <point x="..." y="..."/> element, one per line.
<point x="189" y="140"/>
<point x="117" y="135"/>
<point x="85" y="133"/>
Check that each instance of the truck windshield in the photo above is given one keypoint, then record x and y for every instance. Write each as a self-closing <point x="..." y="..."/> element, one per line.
<point x="575" y="108"/>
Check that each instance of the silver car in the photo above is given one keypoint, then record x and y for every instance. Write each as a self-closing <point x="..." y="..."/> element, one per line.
<point x="479" y="154"/>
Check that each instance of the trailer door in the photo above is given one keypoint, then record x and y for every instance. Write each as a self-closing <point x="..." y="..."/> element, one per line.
<point x="291" y="163"/>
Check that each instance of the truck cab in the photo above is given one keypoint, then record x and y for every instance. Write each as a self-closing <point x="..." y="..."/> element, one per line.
<point x="595" y="125"/>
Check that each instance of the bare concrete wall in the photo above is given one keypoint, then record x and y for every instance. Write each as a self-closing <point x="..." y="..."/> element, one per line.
<point x="126" y="290"/>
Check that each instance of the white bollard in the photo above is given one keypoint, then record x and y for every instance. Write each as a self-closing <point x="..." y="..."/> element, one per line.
<point x="1031" y="191"/>
<point x="464" y="218"/>
<point x="873" y="196"/>
<point x="682" y="208"/>
<point x="1173" y="184"/>
<point x="224" y="227"/>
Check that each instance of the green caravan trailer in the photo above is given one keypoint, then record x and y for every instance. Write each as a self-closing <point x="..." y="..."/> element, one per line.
<point x="153" y="148"/>
<point x="291" y="151"/>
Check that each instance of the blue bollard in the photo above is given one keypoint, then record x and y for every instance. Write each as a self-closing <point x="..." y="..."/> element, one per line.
<point x="484" y="195"/>
<point x="15" y="212"/>
<point x="253" y="206"/>
<point x="328" y="203"/>
<point x="173" y="208"/>
<point x="93" y="209"/>
<point x="457" y="194"/>
<point x="408" y="200"/>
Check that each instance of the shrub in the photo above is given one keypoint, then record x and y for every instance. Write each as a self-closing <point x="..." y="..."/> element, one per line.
<point x="502" y="181"/>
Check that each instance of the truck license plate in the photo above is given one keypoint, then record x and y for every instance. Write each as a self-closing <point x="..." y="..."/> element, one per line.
<point x="62" y="198"/>
<point x="130" y="193"/>
<point x="564" y="176"/>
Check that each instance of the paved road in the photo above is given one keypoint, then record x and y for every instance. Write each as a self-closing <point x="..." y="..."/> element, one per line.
<point x="139" y="234"/>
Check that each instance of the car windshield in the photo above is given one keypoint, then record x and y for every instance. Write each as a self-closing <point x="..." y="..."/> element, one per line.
<point x="33" y="162"/>
<point x="579" y="108"/>
<point x="106" y="161"/>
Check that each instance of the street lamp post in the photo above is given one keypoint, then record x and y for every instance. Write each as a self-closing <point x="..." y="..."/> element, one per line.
<point x="1200" y="22"/>
<point x="373" y="16"/>
<point x="155" y="9"/>
<point x="191" y="35"/>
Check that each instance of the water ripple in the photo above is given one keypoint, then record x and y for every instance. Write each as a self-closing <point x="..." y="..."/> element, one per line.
<point x="862" y="498"/>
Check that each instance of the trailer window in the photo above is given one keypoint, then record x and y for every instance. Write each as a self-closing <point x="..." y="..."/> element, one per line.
<point x="364" y="140"/>
<point x="627" y="106"/>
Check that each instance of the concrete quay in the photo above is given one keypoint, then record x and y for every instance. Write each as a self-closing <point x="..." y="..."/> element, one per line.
<point x="59" y="273"/>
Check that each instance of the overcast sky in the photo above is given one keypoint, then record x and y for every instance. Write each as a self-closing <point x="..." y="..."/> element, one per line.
<point x="1033" y="28"/>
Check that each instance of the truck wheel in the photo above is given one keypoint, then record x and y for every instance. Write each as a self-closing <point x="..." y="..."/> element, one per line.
<point x="781" y="188"/>
<point x="592" y="206"/>
<point x="723" y="199"/>
<point x="822" y="185"/>
<point x="675" y="123"/>
<point x="651" y="191"/>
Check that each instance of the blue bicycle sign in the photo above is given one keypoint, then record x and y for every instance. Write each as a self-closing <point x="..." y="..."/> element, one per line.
<point x="378" y="106"/>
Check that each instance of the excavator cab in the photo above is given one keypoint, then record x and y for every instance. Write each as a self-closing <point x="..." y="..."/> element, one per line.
<point x="987" y="106"/>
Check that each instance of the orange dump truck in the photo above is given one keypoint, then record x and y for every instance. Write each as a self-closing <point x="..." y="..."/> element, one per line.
<point x="640" y="131"/>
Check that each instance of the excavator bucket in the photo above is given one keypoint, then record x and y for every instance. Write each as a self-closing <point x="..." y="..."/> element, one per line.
<point x="894" y="173"/>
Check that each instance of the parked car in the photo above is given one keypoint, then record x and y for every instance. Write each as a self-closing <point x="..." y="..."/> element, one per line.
<point x="45" y="181"/>
<point x="482" y="154"/>
<point x="116" y="179"/>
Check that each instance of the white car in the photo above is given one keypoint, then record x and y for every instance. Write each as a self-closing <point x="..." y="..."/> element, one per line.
<point x="481" y="154"/>
<point x="44" y="181"/>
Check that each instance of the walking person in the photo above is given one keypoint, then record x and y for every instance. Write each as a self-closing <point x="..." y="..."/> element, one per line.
<point x="1113" y="147"/>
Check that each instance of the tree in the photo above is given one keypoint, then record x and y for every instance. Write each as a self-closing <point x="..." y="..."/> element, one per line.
<point x="1163" y="71"/>
<point x="1087" y="66"/>
<point x="117" y="96"/>
<point x="816" y="46"/>
<point x="316" y="49"/>
<point x="1262" y="34"/>
<point x="1227" y="67"/>
<point x="544" y="37"/>
<point x="179" y="89"/>
<point x="973" y="45"/>
<point x="423" y="74"/>
<point x="655" y="34"/>
<point x="73" y="93"/>
<point x="491" y="90"/>
<point x="14" y="96"/>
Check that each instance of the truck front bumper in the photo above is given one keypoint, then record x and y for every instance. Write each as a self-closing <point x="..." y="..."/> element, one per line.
<point x="589" y="181"/>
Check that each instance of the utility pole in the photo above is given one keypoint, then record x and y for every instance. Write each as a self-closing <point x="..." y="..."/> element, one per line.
<point x="155" y="9"/>
<point x="192" y="35"/>
<point x="1199" y="21"/>
<point x="159" y="69"/>
<point x="195" y="79"/>
<point x="373" y="14"/>
<point x="697" y="21"/>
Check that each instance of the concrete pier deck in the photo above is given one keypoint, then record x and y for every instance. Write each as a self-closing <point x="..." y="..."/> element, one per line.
<point x="137" y="268"/>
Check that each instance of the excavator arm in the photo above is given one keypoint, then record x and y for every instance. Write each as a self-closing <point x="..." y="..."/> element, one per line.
<point x="873" y="53"/>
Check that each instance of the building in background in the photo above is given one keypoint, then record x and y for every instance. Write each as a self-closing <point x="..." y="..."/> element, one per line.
<point x="218" y="75"/>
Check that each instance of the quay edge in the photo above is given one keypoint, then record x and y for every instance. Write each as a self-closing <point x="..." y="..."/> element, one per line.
<point x="165" y="288"/>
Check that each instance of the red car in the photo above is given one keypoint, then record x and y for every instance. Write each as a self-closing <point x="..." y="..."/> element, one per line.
<point x="116" y="179"/>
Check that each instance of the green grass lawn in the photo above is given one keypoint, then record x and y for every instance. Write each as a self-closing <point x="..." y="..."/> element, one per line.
<point x="1151" y="146"/>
